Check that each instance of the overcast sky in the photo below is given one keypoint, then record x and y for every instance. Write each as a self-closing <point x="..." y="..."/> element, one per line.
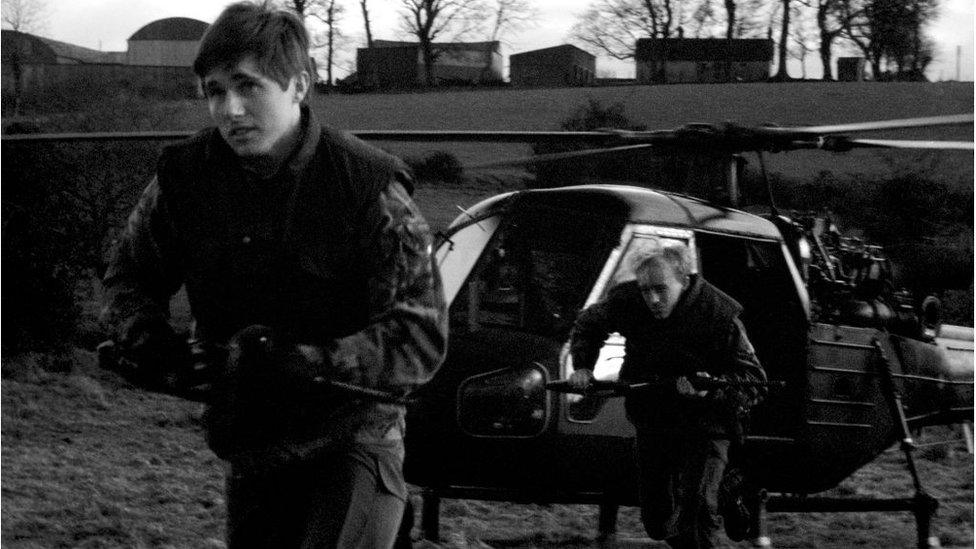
<point x="107" y="24"/>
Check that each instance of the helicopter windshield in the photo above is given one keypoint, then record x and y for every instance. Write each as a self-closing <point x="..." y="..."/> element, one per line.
<point x="536" y="272"/>
<point x="640" y="239"/>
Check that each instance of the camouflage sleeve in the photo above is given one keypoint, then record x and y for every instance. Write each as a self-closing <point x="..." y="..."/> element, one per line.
<point x="406" y="339"/>
<point x="744" y="366"/>
<point x="590" y="330"/>
<point x="143" y="273"/>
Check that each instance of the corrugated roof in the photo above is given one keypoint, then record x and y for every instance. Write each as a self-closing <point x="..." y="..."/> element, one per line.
<point x="704" y="49"/>
<point x="172" y="28"/>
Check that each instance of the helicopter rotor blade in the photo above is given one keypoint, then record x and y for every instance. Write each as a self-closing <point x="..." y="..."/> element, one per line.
<point x="948" y="120"/>
<point x="543" y="158"/>
<point x="909" y="144"/>
<point x="474" y="136"/>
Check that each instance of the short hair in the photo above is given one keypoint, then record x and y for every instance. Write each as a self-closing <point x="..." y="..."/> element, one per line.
<point x="673" y="254"/>
<point x="275" y="37"/>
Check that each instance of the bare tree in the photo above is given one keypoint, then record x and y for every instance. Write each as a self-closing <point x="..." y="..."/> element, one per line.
<point x="431" y="20"/>
<point x="750" y="19"/>
<point x="25" y="15"/>
<point x="730" y="19"/>
<point x="859" y="31"/>
<point x="613" y="26"/>
<point x="831" y="20"/>
<point x="782" y="74"/>
<point x="510" y="15"/>
<point x="331" y="14"/>
<point x="327" y="13"/>
<point x="891" y="33"/>
<point x="702" y="20"/>
<point x="369" y="33"/>
<point x="802" y="40"/>
<point x="29" y="16"/>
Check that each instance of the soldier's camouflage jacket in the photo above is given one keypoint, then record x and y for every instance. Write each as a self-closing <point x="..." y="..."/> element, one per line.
<point x="331" y="251"/>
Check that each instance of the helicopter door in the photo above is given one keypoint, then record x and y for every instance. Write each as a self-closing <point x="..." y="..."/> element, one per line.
<point x="603" y="416"/>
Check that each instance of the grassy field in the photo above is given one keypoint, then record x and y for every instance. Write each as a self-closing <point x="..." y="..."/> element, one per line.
<point x="658" y="107"/>
<point x="89" y="461"/>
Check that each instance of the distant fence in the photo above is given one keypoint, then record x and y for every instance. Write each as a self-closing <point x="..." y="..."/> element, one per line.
<point x="37" y="78"/>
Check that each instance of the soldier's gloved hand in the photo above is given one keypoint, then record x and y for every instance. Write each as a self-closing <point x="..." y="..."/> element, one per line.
<point x="581" y="379"/>
<point x="265" y="372"/>
<point x="260" y="354"/>
<point x="150" y="353"/>
<point x="685" y="388"/>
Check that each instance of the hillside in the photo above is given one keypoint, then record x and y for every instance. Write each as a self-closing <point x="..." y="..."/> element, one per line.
<point x="663" y="107"/>
<point x="658" y="107"/>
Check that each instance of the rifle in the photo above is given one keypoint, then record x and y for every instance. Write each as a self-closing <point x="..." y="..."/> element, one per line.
<point x="194" y="381"/>
<point x="608" y="389"/>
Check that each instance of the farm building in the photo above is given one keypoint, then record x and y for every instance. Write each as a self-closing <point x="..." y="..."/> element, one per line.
<point x="390" y="64"/>
<point x="676" y="60"/>
<point x="170" y="42"/>
<point x="31" y="62"/>
<point x="30" y="49"/>
<point x="564" y="65"/>
<point x="158" y="61"/>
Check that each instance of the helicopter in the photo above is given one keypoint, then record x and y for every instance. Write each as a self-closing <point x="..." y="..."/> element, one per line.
<point x="857" y="365"/>
<point x="854" y="365"/>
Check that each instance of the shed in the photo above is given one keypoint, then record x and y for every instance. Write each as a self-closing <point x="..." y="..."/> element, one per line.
<point x="675" y="60"/>
<point x="394" y="64"/>
<point x="564" y="65"/>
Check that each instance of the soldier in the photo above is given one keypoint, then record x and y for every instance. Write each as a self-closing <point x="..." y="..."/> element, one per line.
<point x="677" y="327"/>
<point x="303" y="254"/>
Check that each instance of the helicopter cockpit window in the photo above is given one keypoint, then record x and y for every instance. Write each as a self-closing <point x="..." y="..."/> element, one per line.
<point x="459" y="252"/>
<point x="639" y="241"/>
<point x="643" y="240"/>
<point x="535" y="274"/>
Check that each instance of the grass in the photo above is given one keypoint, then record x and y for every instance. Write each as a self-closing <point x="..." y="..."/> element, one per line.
<point x="89" y="461"/>
<point x="659" y="107"/>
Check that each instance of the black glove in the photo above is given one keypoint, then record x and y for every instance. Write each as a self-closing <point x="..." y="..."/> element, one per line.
<point x="267" y="377"/>
<point x="150" y="354"/>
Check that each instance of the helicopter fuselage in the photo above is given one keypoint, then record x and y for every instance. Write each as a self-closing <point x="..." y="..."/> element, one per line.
<point x="517" y="268"/>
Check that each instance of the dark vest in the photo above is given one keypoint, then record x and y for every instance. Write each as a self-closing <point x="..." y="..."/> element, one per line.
<point x="694" y="338"/>
<point x="292" y="252"/>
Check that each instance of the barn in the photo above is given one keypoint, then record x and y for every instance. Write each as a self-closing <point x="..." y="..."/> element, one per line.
<point x="393" y="64"/>
<point x="169" y="42"/>
<point x="564" y="65"/>
<point x="681" y="60"/>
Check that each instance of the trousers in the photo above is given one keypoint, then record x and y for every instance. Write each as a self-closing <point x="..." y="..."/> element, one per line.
<point x="352" y="498"/>
<point x="678" y="482"/>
